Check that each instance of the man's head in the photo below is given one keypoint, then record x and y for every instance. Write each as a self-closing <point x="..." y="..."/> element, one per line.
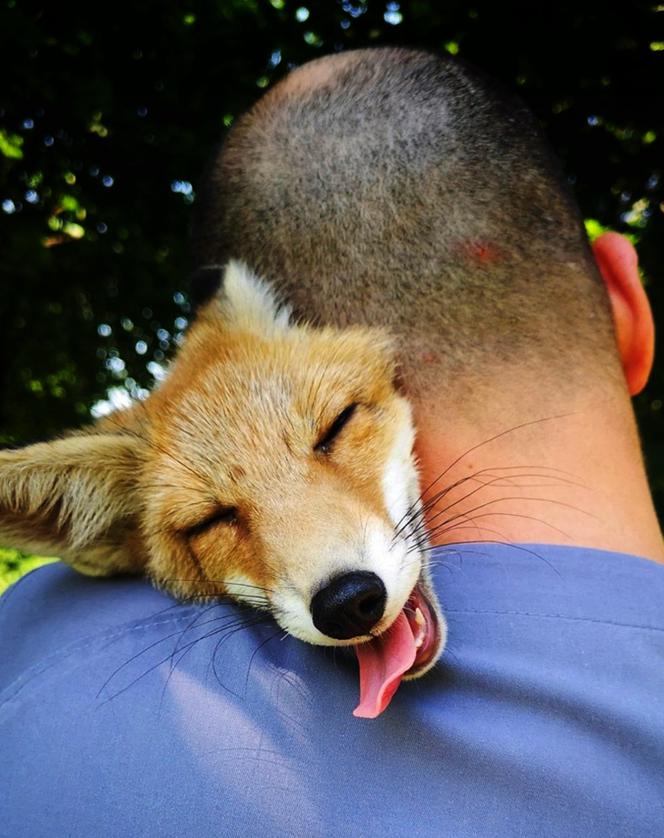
<point x="402" y="189"/>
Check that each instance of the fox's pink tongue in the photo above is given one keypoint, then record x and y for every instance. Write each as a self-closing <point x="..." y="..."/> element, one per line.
<point x="382" y="663"/>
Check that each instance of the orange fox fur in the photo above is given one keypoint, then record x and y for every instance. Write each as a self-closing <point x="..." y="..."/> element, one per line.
<point x="218" y="485"/>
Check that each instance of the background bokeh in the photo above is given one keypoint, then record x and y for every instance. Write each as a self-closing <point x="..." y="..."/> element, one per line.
<point x="109" y="113"/>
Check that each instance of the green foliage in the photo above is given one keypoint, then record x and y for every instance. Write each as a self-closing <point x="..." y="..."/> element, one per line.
<point x="108" y="114"/>
<point x="10" y="145"/>
<point x="14" y="564"/>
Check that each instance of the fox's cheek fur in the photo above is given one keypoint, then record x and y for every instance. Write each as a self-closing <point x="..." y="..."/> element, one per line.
<point x="218" y="563"/>
<point x="400" y="482"/>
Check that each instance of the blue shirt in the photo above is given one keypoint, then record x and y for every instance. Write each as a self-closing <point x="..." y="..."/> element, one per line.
<point x="123" y="713"/>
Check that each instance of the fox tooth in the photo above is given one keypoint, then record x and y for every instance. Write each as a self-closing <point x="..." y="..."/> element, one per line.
<point x="419" y="617"/>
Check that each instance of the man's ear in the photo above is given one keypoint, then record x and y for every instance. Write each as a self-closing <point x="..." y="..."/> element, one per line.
<point x="635" y="330"/>
<point x="76" y="498"/>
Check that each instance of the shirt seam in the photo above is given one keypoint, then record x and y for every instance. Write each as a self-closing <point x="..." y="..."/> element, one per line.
<point x="537" y="615"/>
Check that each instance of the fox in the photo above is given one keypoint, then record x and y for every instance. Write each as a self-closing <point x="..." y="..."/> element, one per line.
<point x="274" y="466"/>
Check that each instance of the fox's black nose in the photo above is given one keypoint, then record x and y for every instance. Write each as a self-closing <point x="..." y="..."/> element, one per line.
<point x="350" y="605"/>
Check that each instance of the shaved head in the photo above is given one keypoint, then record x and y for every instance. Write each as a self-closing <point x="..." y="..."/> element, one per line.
<point x="403" y="189"/>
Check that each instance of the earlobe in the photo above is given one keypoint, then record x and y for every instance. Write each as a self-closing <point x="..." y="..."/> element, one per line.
<point x="632" y="316"/>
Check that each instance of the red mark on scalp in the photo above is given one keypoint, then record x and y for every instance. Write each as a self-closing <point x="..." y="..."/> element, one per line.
<point x="480" y="252"/>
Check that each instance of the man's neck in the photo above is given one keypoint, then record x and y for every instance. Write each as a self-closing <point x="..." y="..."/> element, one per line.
<point x="573" y="478"/>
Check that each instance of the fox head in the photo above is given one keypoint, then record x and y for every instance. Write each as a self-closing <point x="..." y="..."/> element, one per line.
<point x="274" y="465"/>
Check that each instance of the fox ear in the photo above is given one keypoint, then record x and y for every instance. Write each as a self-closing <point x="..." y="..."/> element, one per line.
<point x="76" y="498"/>
<point x="249" y="304"/>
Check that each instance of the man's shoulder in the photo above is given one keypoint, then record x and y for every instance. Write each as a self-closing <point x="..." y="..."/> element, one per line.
<point x="53" y="608"/>
<point x="545" y="713"/>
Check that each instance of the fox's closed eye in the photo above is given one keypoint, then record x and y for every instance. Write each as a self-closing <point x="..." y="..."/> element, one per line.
<point x="325" y="443"/>
<point x="223" y="515"/>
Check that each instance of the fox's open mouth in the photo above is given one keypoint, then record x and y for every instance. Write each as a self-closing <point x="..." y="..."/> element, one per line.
<point x="406" y="649"/>
<point x="423" y="623"/>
